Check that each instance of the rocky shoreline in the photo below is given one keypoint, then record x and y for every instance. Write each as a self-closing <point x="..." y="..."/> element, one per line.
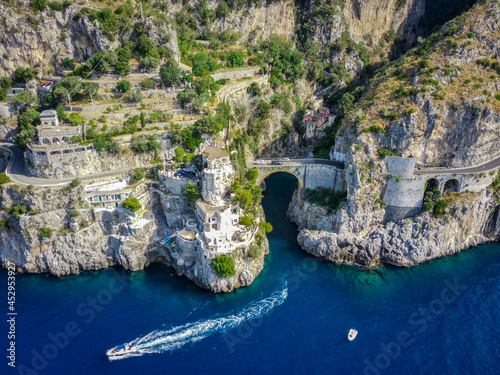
<point x="99" y="239"/>
<point x="475" y="220"/>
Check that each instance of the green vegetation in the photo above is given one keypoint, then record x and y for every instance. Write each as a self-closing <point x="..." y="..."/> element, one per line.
<point x="384" y="152"/>
<point x="328" y="198"/>
<point x="433" y="201"/>
<point x="4" y="223"/>
<point x="267" y="227"/>
<point x="375" y="129"/>
<point x="138" y="175"/>
<point x="254" y="252"/>
<point x="192" y="192"/>
<point x="246" y="221"/>
<point x="46" y="232"/>
<point x="144" y="143"/>
<point x="18" y="209"/>
<point x="381" y="203"/>
<point x="4" y="179"/>
<point x="74" y="213"/>
<point x="132" y="204"/>
<point x="123" y="86"/>
<point x="252" y="175"/>
<point x="224" y="266"/>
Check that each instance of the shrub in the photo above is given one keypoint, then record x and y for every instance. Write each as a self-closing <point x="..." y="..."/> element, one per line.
<point x="391" y="116"/>
<point x="4" y="178"/>
<point x="123" y="85"/>
<point x="326" y="197"/>
<point x="410" y="111"/>
<point x="74" y="183"/>
<point x="38" y="4"/>
<point x="147" y="83"/>
<point x="383" y="204"/>
<point x="252" y="175"/>
<point x="192" y="193"/>
<point x="224" y="266"/>
<point x="266" y="226"/>
<point x="138" y="175"/>
<point x="246" y="221"/>
<point x="383" y="152"/>
<point x="74" y="213"/>
<point x="440" y="208"/>
<point x="4" y="223"/>
<point x="46" y="232"/>
<point x="375" y="129"/>
<point x="254" y="252"/>
<point x="132" y="204"/>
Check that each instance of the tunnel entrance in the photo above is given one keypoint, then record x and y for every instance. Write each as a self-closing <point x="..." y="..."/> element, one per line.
<point x="431" y="184"/>
<point x="451" y="186"/>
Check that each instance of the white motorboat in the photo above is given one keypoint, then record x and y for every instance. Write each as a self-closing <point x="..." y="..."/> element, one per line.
<point x="119" y="351"/>
<point x="352" y="334"/>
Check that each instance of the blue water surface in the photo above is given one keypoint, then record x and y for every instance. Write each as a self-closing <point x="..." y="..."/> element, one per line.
<point x="441" y="317"/>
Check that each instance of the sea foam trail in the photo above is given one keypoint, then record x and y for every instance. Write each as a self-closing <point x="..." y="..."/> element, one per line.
<point x="161" y="341"/>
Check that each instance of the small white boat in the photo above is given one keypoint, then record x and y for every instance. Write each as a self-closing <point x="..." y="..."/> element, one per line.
<point x="352" y="334"/>
<point x="119" y="351"/>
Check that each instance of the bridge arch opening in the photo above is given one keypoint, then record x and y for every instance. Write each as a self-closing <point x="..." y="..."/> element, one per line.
<point x="300" y="183"/>
<point x="451" y="186"/>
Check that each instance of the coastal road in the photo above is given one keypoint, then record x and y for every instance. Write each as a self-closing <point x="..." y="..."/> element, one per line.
<point x="17" y="173"/>
<point x="485" y="167"/>
<point x="298" y="163"/>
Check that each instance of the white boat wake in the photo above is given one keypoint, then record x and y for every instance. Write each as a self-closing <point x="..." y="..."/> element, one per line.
<point x="161" y="341"/>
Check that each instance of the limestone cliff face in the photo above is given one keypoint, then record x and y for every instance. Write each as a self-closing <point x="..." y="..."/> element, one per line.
<point x="445" y="110"/>
<point x="258" y="22"/>
<point x="99" y="238"/>
<point x="374" y="18"/>
<point x="279" y="137"/>
<point x="23" y="44"/>
<point x="93" y="240"/>
<point x="405" y="243"/>
<point x="49" y="37"/>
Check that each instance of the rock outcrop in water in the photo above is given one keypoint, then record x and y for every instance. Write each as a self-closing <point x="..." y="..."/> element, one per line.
<point x="475" y="220"/>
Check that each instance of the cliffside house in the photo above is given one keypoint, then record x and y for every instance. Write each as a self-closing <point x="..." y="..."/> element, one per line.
<point x="216" y="176"/>
<point x="108" y="199"/>
<point x="316" y="123"/>
<point x="53" y="143"/>
<point x="185" y="68"/>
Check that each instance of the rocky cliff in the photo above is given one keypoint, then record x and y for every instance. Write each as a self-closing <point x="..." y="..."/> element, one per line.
<point x="85" y="241"/>
<point x="473" y="220"/>
<point x="438" y="105"/>
<point x="59" y="233"/>
<point x="42" y="39"/>
<point x="373" y="18"/>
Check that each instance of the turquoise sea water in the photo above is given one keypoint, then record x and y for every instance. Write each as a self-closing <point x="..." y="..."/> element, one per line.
<point x="441" y="317"/>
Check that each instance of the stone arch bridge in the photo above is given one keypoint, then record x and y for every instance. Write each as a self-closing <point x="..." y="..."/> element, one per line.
<point x="310" y="173"/>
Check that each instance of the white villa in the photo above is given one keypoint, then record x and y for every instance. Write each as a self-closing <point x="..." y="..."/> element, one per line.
<point x="216" y="215"/>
